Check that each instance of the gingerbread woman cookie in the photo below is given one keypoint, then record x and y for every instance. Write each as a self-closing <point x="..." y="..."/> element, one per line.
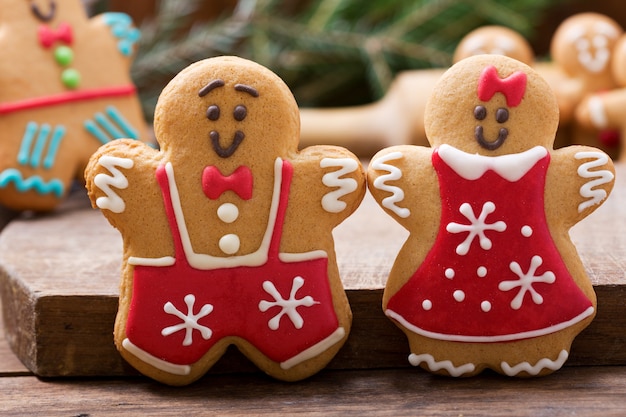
<point x="227" y="229"/>
<point x="488" y="277"/>
<point x="65" y="89"/>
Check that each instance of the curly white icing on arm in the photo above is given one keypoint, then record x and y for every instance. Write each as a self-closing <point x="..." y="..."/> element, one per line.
<point x="330" y="201"/>
<point x="394" y="173"/>
<point x="112" y="201"/>
<point x="600" y="177"/>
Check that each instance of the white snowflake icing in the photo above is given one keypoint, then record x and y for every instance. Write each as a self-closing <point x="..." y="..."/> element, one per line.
<point x="288" y="306"/>
<point x="190" y="320"/>
<point x="476" y="228"/>
<point x="526" y="281"/>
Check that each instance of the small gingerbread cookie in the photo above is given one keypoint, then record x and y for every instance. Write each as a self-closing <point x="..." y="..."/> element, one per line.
<point x="604" y="111"/>
<point x="494" y="40"/>
<point x="582" y="52"/>
<point x="65" y="89"/>
<point x="227" y="229"/>
<point x="488" y="277"/>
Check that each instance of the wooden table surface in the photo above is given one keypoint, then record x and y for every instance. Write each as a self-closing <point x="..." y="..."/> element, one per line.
<point x="369" y="377"/>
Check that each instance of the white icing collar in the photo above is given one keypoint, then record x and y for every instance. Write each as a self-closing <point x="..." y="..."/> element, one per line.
<point x="511" y="167"/>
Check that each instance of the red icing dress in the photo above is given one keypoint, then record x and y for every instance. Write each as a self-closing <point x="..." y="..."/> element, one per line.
<point x="280" y="303"/>
<point x="494" y="273"/>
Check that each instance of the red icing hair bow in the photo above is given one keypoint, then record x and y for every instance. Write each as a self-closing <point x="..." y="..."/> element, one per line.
<point x="214" y="183"/>
<point x="48" y="36"/>
<point x="513" y="87"/>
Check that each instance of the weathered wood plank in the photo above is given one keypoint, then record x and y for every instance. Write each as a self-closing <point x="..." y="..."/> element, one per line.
<point x="10" y="365"/>
<point x="59" y="275"/>
<point x="585" y="391"/>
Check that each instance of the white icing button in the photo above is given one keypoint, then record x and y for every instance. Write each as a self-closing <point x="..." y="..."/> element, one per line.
<point x="459" y="295"/>
<point x="481" y="271"/>
<point x="427" y="305"/>
<point x="228" y="212"/>
<point x="229" y="244"/>
<point x="449" y="273"/>
<point x="485" y="306"/>
<point x="527" y="231"/>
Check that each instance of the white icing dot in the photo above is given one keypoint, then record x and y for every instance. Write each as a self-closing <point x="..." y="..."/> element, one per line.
<point x="485" y="306"/>
<point x="481" y="271"/>
<point x="229" y="244"/>
<point x="459" y="295"/>
<point x="449" y="273"/>
<point x="427" y="305"/>
<point x="228" y="212"/>
<point x="527" y="231"/>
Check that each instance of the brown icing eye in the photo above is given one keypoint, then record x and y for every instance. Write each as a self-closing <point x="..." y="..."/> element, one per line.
<point x="502" y="115"/>
<point x="480" y="112"/>
<point x="213" y="112"/>
<point x="240" y="113"/>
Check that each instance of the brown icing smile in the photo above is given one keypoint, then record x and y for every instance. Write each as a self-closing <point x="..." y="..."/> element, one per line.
<point x="502" y="115"/>
<point x="40" y="15"/>
<point x="479" y="135"/>
<point x="226" y="152"/>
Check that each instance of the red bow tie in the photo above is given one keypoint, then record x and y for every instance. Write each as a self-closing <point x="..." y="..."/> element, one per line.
<point x="48" y="36"/>
<point x="214" y="183"/>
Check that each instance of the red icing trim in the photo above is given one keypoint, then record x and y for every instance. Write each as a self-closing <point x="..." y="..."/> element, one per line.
<point x="48" y="36"/>
<point x="513" y="87"/>
<point x="67" y="97"/>
<point x="214" y="183"/>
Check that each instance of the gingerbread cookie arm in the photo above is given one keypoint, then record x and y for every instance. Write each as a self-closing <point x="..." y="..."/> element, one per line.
<point x="119" y="26"/>
<point x="120" y="180"/>
<point x="391" y="175"/>
<point x="602" y="110"/>
<point x="331" y="181"/>
<point x="591" y="178"/>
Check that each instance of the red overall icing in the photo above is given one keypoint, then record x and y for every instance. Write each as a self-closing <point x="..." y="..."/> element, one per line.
<point x="513" y="87"/>
<point x="67" y="97"/>
<point x="235" y="294"/>
<point x="214" y="183"/>
<point x="518" y="204"/>
<point x="48" y="36"/>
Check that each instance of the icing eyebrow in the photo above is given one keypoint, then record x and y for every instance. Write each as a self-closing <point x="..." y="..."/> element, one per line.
<point x="247" y="89"/>
<point x="210" y="87"/>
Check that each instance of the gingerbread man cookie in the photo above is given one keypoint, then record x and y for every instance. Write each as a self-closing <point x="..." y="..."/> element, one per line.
<point x="65" y="89"/>
<point x="488" y="277"/>
<point x="494" y="40"/>
<point x="227" y="229"/>
<point x="604" y="111"/>
<point x="582" y="52"/>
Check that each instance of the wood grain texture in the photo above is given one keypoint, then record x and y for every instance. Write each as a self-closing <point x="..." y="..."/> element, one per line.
<point x="59" y="275"/>
<point x="584" y="391"/>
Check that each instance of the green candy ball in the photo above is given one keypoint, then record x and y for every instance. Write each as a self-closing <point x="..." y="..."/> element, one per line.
<point x="70" y="78"/>
<point x="63" y="55"/>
